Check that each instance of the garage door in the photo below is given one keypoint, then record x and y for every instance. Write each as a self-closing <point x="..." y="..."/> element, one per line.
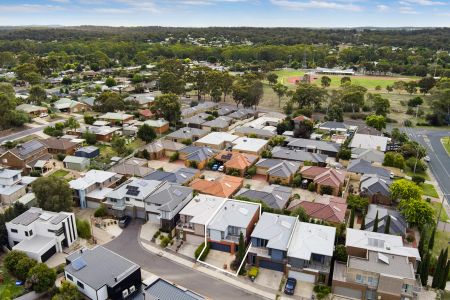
<point x="140" y="214"/>
<point x="153" y="218"/>
<point x="300" y="276"/>
<point x="220" y="247"/>
<point x="48" y="254"/>
<point x="271" y="265"/>
<point x="92" y="204"/>
<point x="347" y="292"/>
<point x="194" y="239"/>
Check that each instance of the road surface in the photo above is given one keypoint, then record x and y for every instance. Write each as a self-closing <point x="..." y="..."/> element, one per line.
<point x="439" y="159"/>
<point x="128" y="246"/>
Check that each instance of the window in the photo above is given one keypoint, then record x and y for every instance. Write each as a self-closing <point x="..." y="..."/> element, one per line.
<point x="13" y="230"/>
<point x="26" y="233"/>
<point x="372" y="281"/>
<point x="132" y="289"/>
<point x="51" y="230"/>
<point x="80" y="284"/>
<point x="31" y="232"/>
<point x="69" y="277"/>
<point x="359" y="278"/>
<point x="125" y="293"/>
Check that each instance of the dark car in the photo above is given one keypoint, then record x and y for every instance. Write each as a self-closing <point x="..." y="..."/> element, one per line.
<point x="124" y="221"/>
<point x="289" y="288"/>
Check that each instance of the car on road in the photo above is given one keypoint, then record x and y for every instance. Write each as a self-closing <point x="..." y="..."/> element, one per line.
<point x="124" y="221"/>
<point x="289" y="288"/>
<point x="427" y="158"/>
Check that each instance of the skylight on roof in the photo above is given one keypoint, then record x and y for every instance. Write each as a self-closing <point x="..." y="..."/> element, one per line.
<point x="79" y="264"/>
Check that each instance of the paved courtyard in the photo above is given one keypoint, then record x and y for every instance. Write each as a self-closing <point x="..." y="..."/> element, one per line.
<point x="219" y="259"/>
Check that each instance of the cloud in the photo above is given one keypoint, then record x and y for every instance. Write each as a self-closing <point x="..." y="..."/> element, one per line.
<point x="407" y="10"/>
<point x="61" y="1"/>
<point x="422" y="2"/>
<point x="383" y="8"/>
<point x="29" y="8"/>
<point x="317" y="4"/>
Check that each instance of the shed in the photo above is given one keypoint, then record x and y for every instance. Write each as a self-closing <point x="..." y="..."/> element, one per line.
<point x="76" y="163"/>
<point x="88" y="152"/>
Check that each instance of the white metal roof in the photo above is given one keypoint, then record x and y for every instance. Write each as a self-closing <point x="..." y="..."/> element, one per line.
<point x="202" y="208"/>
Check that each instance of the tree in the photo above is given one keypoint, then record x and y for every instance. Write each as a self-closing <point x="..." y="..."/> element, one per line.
<point x="377" y="122"/>
<point x="272" y="78"/>
<point x="146" y="133"/>
<point x="411" y="87"/>
<point x="303" y="129"/>
<point x="168" y="106"/>
<point x="110" y="82"/>
<point x="405" y="189"/>
<point x="308" y="95"/>
<point x="426" y="84"/>
<point x="439" y="271"/>
<point x="431" y="240"/>
<point x="89" y="137"/>
<point x="68" y="291"/>
<point x="424" y="269"/>
<point x="325" y="81"/>
<point x="335" y="113"/>
<point x="413" y="102"/>
<point x="89" y="119"/>
<point x="379" y="104"/>
<point x="72" y="123"/>
<point x="387" y="225"/>
<point x="340" y="253"/>
<point x="170" y="83"/>
<point x="351" y="222"/>
<point x="346" y="80"/>
<point x="280" y="90"/>
<point x="254" y="94"/>
<point x="41" y="278"/>
<point x="417" y="211"/>
<point x="83" y="228"/>
<point x="226" y="84"/>
<point x="109" y="102"/>
<point x="352" y="96"/>
<point x="357" y="202"/>
<point x="53" y="194"/>
<point x="300" y="213"/>
<point x="241" y="248"/>
<point x="37" y="95"/>
<point x="119" y="145"/>
<point x="23" y="266"/>
<point x="363" y="221"/>
<point x="444" y="276"/>
<point x="422" y="242"/>
<point x="375" y="223"/>
<point x="12" y="259"/>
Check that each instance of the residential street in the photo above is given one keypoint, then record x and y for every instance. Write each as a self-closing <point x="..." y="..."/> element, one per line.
<point x="440" y="160"/>
<point x="127" y="245"/>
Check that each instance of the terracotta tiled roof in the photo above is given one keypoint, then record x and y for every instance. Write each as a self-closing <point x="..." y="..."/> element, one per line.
<point x="326" y="208"/>
<point x="312" y="171"/>
<point x="331" y="177"/>
<point x="223" y="187"/>
<point x="237" y="160"/>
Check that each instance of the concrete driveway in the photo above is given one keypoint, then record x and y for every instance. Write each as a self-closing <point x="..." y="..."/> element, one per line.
<point x="128" y="246"/>
<point x="166" y="165"/>
<point x="219" y="259"/>
<point x="269" y="278"/>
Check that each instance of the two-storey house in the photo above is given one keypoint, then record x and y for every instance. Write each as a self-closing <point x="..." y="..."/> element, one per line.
<point x="270" y="240"/>
<point x="310" y="251"/>
<point x="30" y="156"/>
<point x="233" y="218"/>
<point x="13" y="185"/>
<point x="40" y="234"/>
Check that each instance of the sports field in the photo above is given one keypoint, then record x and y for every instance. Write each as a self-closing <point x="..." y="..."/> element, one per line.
<point x="289" y="77"/>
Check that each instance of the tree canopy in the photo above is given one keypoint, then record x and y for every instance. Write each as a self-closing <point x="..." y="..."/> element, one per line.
<point x="53" y="194"/>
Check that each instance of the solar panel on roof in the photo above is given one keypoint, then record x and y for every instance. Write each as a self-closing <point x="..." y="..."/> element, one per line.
<point x="30" y="147"/>
<point x="133" y="192"/>
<point x="131" y="188"/>
<point x="78" y="264"/>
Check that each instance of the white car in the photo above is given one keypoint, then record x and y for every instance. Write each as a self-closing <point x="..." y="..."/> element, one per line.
<point x="220" y="169"/>
<point x="392" y="175"/>
<point x="427" y="158"/>
<point x="43" y="115"/>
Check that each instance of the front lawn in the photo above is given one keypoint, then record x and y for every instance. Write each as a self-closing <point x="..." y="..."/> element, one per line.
<point x="446" y="143"/>
<point x="60" y="173"/>
<point x="441" y="242"/>
<point x="437" y="206"/>
<point x="8" y="288"/>
<point x="429" y="190"/>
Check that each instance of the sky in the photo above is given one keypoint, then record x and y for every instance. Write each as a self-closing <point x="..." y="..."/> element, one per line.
<point x="203" y="13"/>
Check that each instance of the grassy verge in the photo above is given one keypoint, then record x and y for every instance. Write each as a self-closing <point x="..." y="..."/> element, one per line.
<point x="410" y="173"/>
<point x="437" y="206"/>
<point x="446" y="143"/>
<point x="441" y="242"/>
<point x="60" y="173"/>
<point x="429" y="190"/>
<point x="8" y="288"/>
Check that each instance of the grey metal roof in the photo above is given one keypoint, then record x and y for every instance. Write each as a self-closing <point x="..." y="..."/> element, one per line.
<point x="362" y="166"/>
<point x="220" y="122"/>
<point x="163" y="290"/>
<point x="333" y="125"/>
<point x="276" y="229"/>
<point x="371" y="155"/>
<point x="169" y="196"/>
<point x="314" y="144"/>
<point x="277" y="198"/>
<point x="372" y="184"/>
<point x="284" y="169"/>
<point x="102" y="266"/>
<point x="225" y="110"/>
<point x="268" y="162"/>
<point x="398" y="266"/>
<point x="203" y="153"/>
<point x="187" y="133"/>
<point x="136" y="188"/>
<point x="257" y="131"/>
<point x="398" y="223"/>
<point x="297" y="155"/>
<point x="233" y="213"/>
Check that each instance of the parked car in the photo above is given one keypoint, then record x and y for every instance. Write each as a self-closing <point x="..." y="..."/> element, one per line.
<point x="124" y="221"/>
<point x="427" y="158"/>
<point x="392" y="175"/>
<point x="215" y="167"/>
<point x="220" y="169"/>
<point x="43" y="115"/>
<point x="289" y="288"/>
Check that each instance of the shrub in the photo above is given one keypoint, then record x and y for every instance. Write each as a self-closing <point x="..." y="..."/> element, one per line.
<point x="417" y="179"/>
<point x="83" y="229"/>
<point x="23" y="267"/>
<point x="165" y="241"/>
<point x="101" y="212"/>
<point x="193" y="164"/>
<point x="340" y="253"/>
<point x="345" y="154"/>
<point x="311" y="187"/>
<point x="187" y="142"/>
<point x="60" y="156"/>
<point x="156" y="234"/>
<point x="325" y="189"/>
<point x="420" y="165"/>
<point x="41" y="278"/>
<point x="199" y="250"/>
<point x="12" y="259"/>
<point x="410" y="238"/>
<point x="251" y="171"/>
<point x="322" y="291"/>
<point x="253" y="272"/>
<point x="407" y="123"/>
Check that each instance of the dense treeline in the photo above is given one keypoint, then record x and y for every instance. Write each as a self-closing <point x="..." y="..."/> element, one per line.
<point x="433" y="38"/>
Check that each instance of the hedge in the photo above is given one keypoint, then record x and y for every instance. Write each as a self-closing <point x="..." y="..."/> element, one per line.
<point x="200" y="249"/>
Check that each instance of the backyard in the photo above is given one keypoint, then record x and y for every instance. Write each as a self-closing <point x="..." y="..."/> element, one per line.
<point x="60" y="173"/>
<point x="8" y="288"/>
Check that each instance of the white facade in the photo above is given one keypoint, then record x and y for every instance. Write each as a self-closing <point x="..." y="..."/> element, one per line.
<point x="84" y="288"/>
<point x="36" y="232"/>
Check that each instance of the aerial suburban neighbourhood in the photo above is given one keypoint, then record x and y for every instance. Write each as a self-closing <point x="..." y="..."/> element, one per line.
<point x="191" y="162"/>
